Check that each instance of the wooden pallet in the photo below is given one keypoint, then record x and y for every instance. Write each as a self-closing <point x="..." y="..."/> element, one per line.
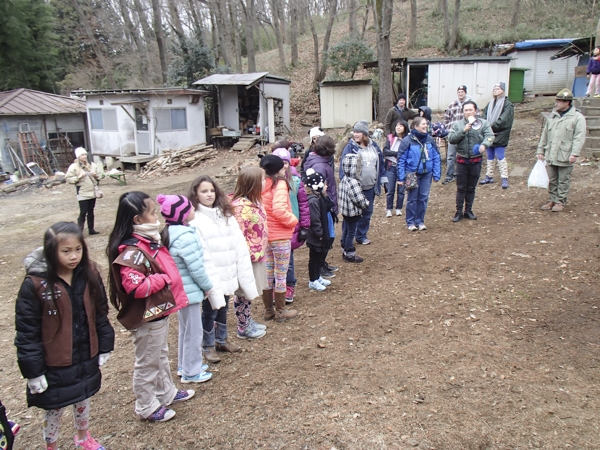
<point x="244" y="144"/>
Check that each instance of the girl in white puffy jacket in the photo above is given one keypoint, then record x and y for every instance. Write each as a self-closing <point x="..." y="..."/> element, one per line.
<point x="223" y="240"/>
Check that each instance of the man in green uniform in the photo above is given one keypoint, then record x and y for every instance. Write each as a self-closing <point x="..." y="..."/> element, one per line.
<point x="562" y="139"/>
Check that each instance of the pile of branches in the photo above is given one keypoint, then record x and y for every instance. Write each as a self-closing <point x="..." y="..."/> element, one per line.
<point x="171" y="160"/>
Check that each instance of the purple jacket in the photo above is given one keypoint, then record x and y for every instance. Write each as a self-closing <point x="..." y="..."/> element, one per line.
<point x="593" y="66"/>
<point x="324" y="166"/>
<point x="304" y="219"/>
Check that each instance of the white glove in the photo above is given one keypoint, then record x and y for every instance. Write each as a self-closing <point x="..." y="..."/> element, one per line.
<point x="37" y="385"/>
<point x="102" y="358"/>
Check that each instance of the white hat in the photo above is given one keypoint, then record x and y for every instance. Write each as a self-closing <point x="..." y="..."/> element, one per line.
<point x="80" y="151"/>
<point x="315" y="132"/>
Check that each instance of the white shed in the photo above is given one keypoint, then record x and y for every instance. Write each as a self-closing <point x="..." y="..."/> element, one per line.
<point x="545" y="75"/>
<point x="432" y="82"/>
<point x="346" y="102"/>
<point x="143" y="122"/>
<point x="252" y="101"/>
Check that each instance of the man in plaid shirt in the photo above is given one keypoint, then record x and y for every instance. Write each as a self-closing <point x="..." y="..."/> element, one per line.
<point x="454" y="113"/>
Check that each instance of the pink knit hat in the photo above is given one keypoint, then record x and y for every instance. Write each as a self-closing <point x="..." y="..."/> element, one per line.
<point x="283" y="154"/>
<point x="174" y="208"/>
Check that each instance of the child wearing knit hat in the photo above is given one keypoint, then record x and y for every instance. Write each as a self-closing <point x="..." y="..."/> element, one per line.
<point x="186" y="249"/>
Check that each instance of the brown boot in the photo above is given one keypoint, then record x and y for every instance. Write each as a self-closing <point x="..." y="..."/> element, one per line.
<point x="558" y="207"/>
<point x="211" y="356"/>
<point x="267" y="296"/>
<point x="281" y="312"/>
<point x="228" y="347"/>
<point x="548" y="206"/>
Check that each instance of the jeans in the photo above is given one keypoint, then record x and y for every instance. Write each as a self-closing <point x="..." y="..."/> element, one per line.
<point x="86" y="208"/>
<point x="365" y="221"/>
<point x="467" y="177"/>
<point x="290" y="278"/>
<point x="451" y="161"/>
<point x="393" y="190"/>
<point x="316" y="261"/>
<point x="416" y="204"/>
<point x="212" y="318"/>
<point x="349" y="226"/>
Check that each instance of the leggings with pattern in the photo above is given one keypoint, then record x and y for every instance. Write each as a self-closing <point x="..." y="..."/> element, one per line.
<point x="277" y="262"/>
<point x="81" y="414"/>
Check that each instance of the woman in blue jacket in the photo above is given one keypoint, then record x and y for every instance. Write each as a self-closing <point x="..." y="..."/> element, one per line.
<point x="420" y="156"/>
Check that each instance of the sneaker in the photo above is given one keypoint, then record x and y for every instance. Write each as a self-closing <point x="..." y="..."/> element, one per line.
<point x="260" y="326"/>
<point x="204" y="368"/>
<point x="365" y="242"/>
<point x="324" y="282"/>
<point x="412" y="228"/>
<point x="179" y="372"/>
<point x="289" y="293"/>
<point x="327" y="273"/>
<point x="89" y="443"/>
<point x="558" y="207"/>
<point x="597" y="96"/>
<point x="504" y="183"/>
<point x="352" y="258"/>
<point x="487" y="180"/>
<point x="183" y="395"/>
<point x="200" y="378"/>
<point x="330" y="267"/>
<point x="388" y="213"/>
<point x="548" y="206"/>
<point x="162" y="414"/>
<point x="316" y="286"/>
<point x="398" y="212"/>
<point x="251" y="333"/>
<point x="422" y="227"/>
<point x="448" y="180"/>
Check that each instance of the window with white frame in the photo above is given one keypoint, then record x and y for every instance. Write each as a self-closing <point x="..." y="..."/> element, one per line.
<point x="104" y="119"/>
<point x="170" y="119"/>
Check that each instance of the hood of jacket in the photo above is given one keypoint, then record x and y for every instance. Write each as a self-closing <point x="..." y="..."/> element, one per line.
<point x="351" y="165"/>
<point x="176" y="231"/>
<point x="426" y="112"/>
<point x="35" y="263"/>
<point x="314" y="158"/>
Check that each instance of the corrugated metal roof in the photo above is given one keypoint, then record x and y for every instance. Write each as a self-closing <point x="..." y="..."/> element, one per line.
<point x="26" y="102"/>
<point x="236" y="79"/>
<point x="144" y="91"/>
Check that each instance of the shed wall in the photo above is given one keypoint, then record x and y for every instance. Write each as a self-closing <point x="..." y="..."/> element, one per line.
<point x="342" y="105"/>
<point x="545" y="76"/>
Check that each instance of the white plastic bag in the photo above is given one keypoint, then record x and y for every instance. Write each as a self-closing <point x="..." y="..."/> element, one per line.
<point x="538" y="177"/>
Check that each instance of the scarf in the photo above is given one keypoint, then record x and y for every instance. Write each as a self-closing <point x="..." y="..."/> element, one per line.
<point x="148" y="230"/>
<point x="421" y="137"/>
<point x="496" y="110"/>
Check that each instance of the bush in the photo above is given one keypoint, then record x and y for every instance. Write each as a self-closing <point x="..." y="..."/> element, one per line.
<point x="348" y="55"/>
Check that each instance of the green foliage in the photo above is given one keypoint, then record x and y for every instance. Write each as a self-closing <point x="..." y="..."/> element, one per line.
<point x="28" y="47"/>
<point x="348" y="55"/>
<point x="193" y="60"/>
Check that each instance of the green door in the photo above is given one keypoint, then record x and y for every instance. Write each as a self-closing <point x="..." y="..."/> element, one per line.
<point x="516" y="84"/>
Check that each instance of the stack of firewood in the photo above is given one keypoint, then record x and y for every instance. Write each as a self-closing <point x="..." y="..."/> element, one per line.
<point x="171" y="160"/>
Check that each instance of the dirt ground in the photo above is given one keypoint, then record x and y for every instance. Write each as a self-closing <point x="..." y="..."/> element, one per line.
<point x="476" y="335"/>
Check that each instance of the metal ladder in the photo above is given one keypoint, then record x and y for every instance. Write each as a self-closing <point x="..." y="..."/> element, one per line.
<point x="31" y="150"/>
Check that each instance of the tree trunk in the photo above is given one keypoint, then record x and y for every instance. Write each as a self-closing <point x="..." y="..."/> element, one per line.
<point x="352" y="30"/>
<point x="249" y="14"/>
<point x="294" y="32"/>
<point x="221" y="18"/>
<point x="365" y="21"/>
<point x="412" y="41"/>
<point x="315" y="51"/>
<point x="141" y="47"/>
<point x="597" y="43"/>
<point x="515" y="13"/>
<point x="276" y="28"/>
<point x="143" y="18"/>
<point x="383" y="12"/>
<point x="236" y="40"/>
<point x="160" y="39"/>
<point x="215" y="36"/>
<point x="326" y="38"/>
<point x="102" y="59"/>
<point x="454" y="37"/>
<point x="446" y="20"/>
<point x="194" y="15"/>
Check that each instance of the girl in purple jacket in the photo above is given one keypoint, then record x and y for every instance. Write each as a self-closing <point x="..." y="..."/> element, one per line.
<point x="593" y="73"/>
<point x="299" y="201"/>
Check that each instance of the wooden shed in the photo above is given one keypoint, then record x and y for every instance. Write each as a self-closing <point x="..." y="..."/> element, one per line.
<point x="346" y="102"/>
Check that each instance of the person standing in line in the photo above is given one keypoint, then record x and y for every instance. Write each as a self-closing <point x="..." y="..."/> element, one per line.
<point x="560" y="144"/>
<point x="500" y="113"/>
<point x="390" y="156"/>
<point x="453" y="114"/>
<point x="593" y="73"/>
<point x="470" y="145"/>
<point x="63" y="332"/>
<point x="85" y="175"/>
<point x="372" y="175"/>
<point x="397" y="112"/>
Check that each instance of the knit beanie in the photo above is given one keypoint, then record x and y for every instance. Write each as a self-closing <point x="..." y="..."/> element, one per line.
<point x="315" y="180"/>
<point x="501" y="85"/>
<point x="462" y="87"/>
<point x="361" y="127"/>
<point x="271" y="164"/>
<point x="283" y="154"/>
<point x="80" y="151"/>
<point x="174" y="208"/>
<point x="315" y="132"/>
<point x="401" y="97"/>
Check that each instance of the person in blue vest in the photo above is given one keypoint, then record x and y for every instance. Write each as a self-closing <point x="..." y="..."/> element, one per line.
<point x="419" y="159"/>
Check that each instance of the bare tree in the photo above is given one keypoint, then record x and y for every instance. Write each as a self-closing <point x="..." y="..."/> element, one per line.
<point x="140" y="45"/>
<point x="249" y="14"/>
<point x="515" y="13"/>
<point x="234" y="28"/>
<point x="382" y="11"/>
<point x="412" y="41"/>
<point x="352" y="30"/>
<point x="160" y="38"/>
<point x="277" y="29"/>
<point x="294" y="32"/>
<point x="444" y="11"/>
<point x="454" y="36"/>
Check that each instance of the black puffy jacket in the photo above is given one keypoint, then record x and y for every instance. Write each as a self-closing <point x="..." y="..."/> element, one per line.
<point x="66" y="384"/>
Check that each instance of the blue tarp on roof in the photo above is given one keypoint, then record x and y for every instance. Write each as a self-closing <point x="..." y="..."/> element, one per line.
<point x="542" y="43"/>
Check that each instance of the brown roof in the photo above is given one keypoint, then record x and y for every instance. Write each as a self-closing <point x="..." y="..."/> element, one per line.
<point x="21" y="102"/>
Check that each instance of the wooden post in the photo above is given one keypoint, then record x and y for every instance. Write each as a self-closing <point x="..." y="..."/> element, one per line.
<point x="597" y="34"/>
